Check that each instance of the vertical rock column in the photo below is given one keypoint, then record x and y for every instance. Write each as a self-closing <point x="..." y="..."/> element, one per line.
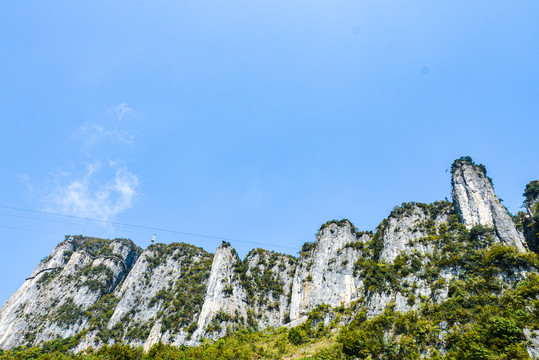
<point x="477" y="204"/>
<point x="325" y="274"/>
<point x="224" y="294"/>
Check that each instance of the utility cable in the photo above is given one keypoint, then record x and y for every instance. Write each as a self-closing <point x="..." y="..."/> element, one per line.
<point x="144" y="227"/>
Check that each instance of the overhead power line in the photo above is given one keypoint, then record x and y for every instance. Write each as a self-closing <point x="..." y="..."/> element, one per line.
<point x="105" y="222"/>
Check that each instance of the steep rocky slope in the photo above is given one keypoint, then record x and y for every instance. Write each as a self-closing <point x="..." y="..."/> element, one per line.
<point x="267" y="278"/>
<point x="529" y="221"/>
<point x="54" y="300"/>
<point x="477" y="204"/>
<point x="225" y="303"/>
<point x="325" y="271"/>
<point x="158" y="300"/>
<point x="423" y="256"/>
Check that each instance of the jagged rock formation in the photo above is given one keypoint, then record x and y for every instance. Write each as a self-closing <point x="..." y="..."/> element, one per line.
<point x="54" y="300"/>
<point x="159" y="299"/>
<point x="408" y="223"/>
<point x="325" y="271"/>
<point x="477" y="204"/>
<point x="253" y="292"/>
<point x="180" y="294"/>
<point x="225" y="302"/>
<point x="267" y="278"/>
<point x="405" y="241"/>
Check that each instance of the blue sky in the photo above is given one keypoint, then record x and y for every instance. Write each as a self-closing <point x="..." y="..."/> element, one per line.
<point x="253" y="121"/>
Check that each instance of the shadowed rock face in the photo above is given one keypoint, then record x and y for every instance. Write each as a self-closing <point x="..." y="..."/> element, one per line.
<point x="477" y="204"/>
<point x="530" y="221"/>
<point x="532" y="197"/>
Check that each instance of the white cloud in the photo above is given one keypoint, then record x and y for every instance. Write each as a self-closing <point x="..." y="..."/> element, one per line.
<point x="90" y="134"/>
<point x="121" y="111"/>
<point x="93" y="197"/>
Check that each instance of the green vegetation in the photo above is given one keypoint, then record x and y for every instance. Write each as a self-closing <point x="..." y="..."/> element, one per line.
<point x="306" y="248"/>
<point x="344" y="222"/>
<point x="262" y="279"/>
<point x="532" y="190"/>
<point x="68" y="313"/>
<point x="528" y="223"/>
<point x="183" y="299"/>
<point x="471" y="324"/>
<point x="96" y="278"/>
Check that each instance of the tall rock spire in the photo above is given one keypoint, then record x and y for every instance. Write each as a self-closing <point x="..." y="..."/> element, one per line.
<point x="477" y="204"/>
<point x="224" y="295"/>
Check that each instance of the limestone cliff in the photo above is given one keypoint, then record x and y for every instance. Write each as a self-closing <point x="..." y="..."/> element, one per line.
<point x="408" y="223"/>
<point x="477" y="204"/>
<point x="225" y="304"/>
<point x="159" y="299"/>
<point x="106" y="291"/>
<point x="325" y="271"/>
<point x="54" y="300"/>
<point x="267" y="279"/>
<point x="403" y="246"/>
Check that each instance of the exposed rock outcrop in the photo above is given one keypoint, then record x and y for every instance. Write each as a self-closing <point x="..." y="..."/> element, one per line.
<point x="53" y="301"/>
<point x="325" y="272"/>
<point x="160" y="298"/>
<point x="225" y="303"/>
<point x="267" y="279"/>
<point x="477" y="204"/>
<point x="410" y="222"/>
<point x="107" y="291"/>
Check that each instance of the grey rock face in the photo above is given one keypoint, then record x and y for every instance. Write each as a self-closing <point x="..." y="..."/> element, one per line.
<point x="410" y="232"/>
<point x="226" y="300"/>
<point x="325" y="273"/>
<point x="53" y="301"/>
<point x="411" y="222"/>
<point x="180" y="294"/>
<point x="267" y="279"/>
<point x="477" y="204"/>
<point x="533" y="338"/>
<point x="146" y="312"/>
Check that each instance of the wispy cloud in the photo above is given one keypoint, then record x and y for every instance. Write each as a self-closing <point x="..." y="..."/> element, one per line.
<point x="91" y="134"/>
<point x="121" y="111"/>
<point x="95" y="197"/>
